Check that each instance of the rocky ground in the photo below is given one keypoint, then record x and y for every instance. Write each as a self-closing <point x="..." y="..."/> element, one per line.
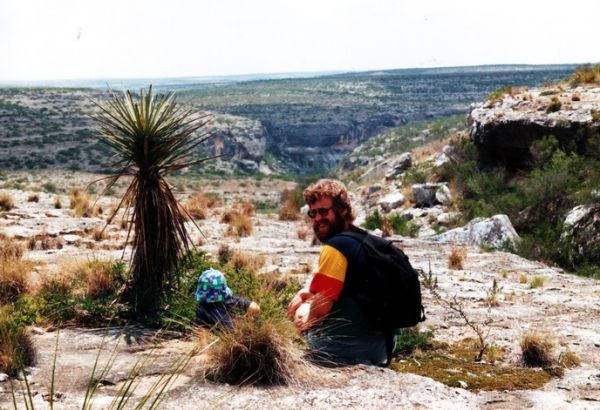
<point x="565" y="307"/>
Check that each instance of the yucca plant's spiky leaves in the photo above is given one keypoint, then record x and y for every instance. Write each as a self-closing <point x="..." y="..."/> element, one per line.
<point x="152" y="136"/>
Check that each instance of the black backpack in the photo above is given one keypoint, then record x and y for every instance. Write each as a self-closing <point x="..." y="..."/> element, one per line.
<point x="389" y="290"/>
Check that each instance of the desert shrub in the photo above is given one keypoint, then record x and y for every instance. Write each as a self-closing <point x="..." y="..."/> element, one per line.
<point x="85" y="293"/>
<point x="6" y="202"/>
<point x="49" y="187"/>
<point x="228" y="215"/>
<point x="536" y="282"/>
<point x="98" y="233"/>
<point x="585" y="74"/>
<point x="80" y="203"/>
<point x="386" y="228"/>
<point x="198" y="206"/>
<point x="374" y="220"/>
<point x="240" y="226"/>
<point x="568" y="359"/>
<point x="456" y="258"/>
<point x="15" y="278"/>
<point x="224" y="254"/>
<point x="395" y="224"/>
<point x="254" y="352"/>
<point x="57" y="303"/>
<point x="10" y="249"/>
<point x="246" y="260"/>
<point x="246" y="208"/>
<point x="292" y="200"/>
<point x="500" y="93"/>
<point x="554" y="105"/>
<point x="412" y="339"/>
<point x="535" y="202"/>
<point x="33" y="198"/>
<point x="14" y="271"/>
<point x="16" y="346"/>
<point x="536" y="350"/>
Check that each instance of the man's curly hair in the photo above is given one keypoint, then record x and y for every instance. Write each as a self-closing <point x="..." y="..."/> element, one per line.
<point x="336" y="190"/>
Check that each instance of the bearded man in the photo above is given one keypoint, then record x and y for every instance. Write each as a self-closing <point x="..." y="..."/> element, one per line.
<point x="326" y="313"/>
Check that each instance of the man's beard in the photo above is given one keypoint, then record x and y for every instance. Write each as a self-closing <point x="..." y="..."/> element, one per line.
<point x="333" y="228"/>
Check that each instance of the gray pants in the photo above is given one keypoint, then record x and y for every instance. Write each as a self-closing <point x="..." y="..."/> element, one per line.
<point x="367" y="349"/>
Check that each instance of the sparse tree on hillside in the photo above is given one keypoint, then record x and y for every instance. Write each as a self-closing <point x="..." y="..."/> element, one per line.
<point x="152" y="136"/>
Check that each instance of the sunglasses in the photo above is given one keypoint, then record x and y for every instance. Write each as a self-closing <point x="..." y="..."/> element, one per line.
<point x="322" y="211"/>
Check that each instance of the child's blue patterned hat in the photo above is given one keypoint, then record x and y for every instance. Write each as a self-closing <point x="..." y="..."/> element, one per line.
<point x="212" y="287"/>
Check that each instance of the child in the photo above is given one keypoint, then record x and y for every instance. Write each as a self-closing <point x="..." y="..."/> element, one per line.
<point x="216" y="303"/>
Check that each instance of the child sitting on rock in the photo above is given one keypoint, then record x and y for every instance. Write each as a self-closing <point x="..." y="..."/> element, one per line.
<point x="216" y="304"/>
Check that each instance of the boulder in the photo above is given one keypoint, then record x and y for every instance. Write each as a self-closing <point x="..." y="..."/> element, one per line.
<point x="392" y="201"/>
<point x="580" y="240"/>
<point x="401" y="164"/>
<point x="496" y="232"/>
<point x="430" y="194"/>
<point x="448" y="218"/>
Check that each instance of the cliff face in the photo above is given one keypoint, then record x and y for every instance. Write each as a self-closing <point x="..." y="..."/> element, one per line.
<point x="503" y="129"/>
<point x="311" y="146"/>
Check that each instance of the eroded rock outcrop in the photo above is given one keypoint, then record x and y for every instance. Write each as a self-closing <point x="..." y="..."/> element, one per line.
<point x="504" y="129"/>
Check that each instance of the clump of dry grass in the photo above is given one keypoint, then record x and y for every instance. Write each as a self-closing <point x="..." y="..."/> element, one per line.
<point x="536" y="350"/>
<point x="254" y="352"/>
<point x="6" y="202"/>
<point x="240" y="224"/>
<point x="16" y="349"/>
<point x="568" y="359"/>
<point x="456" y="258"/>
<point x="246" y="260"/>
<point x="292" y="201"/>
<point x="386" y="228"/>
<point x="224" y="254"/>
<point x="14" y="271"/>
<point x="246" y="208"/>
<point x="79" y="202"/>
<point x="98" y="233"/>
<point x="33" y="198"/>
<point x="198" y="206"/>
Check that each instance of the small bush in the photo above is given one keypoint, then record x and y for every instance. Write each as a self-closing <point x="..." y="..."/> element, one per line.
<point x="199" y="205"/>
<point x="536" y="282"/>
<point x="254" y="352"/>
<point x="412" y="339"/>
<point x="245" y="260"/>
<point x="16" y="348"/>
<point x="240" y="226"/>
<point x="536" y="350"/>
<point x="224" y="254"/>
<point x="554" y="105"/>
<point x="456" y="258"/>
<point x="373" y="221"/>
<point x="33" y="198"/>
<point x="292" y="200"/>
<point x="80" y="204"/>
<point x="586" y="74"/>
<point x="6" y="202"/>
<point x="569" y="359"/>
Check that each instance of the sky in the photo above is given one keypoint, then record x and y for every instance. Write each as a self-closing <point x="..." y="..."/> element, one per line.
<point x="86" y="39"/>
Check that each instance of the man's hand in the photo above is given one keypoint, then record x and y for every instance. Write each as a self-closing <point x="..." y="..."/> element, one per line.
<point x="302" y="296"/>
<point x="309" y="314"/>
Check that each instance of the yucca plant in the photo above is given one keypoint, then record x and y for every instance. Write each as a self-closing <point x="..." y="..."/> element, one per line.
<point x="152" y="137"/>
